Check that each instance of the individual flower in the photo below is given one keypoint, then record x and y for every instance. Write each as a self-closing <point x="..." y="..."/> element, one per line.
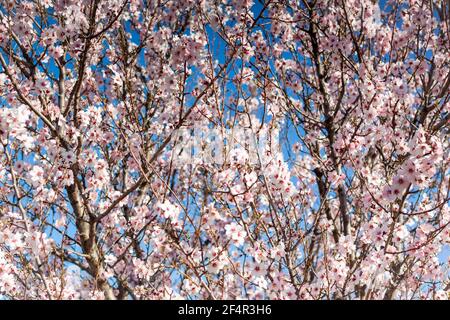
<point x="236" y="233"/>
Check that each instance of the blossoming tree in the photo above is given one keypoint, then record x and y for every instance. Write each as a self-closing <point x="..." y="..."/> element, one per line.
<point x="103" y="195"/>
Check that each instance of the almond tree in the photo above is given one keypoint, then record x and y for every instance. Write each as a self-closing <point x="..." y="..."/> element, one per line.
<point x="224" y="149"/>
